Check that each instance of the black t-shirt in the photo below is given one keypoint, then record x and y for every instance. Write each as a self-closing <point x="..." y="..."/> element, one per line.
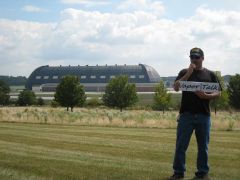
<point x="190" y="101"/>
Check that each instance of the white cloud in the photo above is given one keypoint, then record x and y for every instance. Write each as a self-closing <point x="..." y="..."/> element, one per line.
<point x="82" y="37"/>
<point x="86" y="2"/>
<point x="34" y="9"/>
<point x="20" y="46"/>
<point x="218" y="33"/>
<point x="150" y="6"/>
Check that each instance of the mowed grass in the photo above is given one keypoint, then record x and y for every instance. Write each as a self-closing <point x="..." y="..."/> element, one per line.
<point x="43" y="151"/>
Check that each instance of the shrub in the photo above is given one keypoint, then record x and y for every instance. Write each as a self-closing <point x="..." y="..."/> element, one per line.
<point x="54" y="104"/>
<point x="40" y="101"/>
<point x="93" y="102"/>
<point x="26" y="97"/>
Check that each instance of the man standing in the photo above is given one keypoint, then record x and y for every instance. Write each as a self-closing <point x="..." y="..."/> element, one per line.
<point x="194" y="115"/>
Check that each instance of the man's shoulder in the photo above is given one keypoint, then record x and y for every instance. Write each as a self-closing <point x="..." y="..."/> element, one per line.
<point x="183" y="71"/>
<point x="181" y="74"/>
<point x="209" y="71"/>
<point x="212" y="75"/>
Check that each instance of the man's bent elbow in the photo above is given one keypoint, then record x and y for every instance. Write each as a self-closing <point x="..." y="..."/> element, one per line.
<point x="176" y="86"/>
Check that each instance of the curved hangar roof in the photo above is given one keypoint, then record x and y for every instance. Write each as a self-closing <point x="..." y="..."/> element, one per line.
<point x="93" y="74"/>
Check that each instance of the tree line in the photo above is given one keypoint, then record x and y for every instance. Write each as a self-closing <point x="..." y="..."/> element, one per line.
<point x="119" y="94"/>
<point x="14" y="81"/>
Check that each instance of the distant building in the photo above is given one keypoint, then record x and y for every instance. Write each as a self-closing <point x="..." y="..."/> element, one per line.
<point x="93" y="78"/>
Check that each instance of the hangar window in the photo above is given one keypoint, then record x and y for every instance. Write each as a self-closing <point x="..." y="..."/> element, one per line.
<point x="102" y="77"/>
<point x="45" y="77"/>
<point x="112" y="77"/>
<point x="55" y="77"/>
<point x="141" y="76"/>
<point x="38" y="77"/>
<point x="93" y="77"/>
<point x="132" y="76"/>
<point x="83" y="77"/>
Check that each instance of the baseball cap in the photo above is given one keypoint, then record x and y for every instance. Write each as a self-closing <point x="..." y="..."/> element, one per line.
<point x="197" y="51"/>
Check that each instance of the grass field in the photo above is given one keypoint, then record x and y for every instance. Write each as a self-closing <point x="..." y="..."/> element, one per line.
<point x="41" y="151"/>
<point x="109" y="117"/>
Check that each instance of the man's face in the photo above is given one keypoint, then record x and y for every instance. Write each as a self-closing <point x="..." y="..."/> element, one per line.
<point x="196" y="59"/>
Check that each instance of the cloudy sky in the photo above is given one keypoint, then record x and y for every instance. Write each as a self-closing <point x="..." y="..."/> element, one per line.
<point x="79" y="32"/>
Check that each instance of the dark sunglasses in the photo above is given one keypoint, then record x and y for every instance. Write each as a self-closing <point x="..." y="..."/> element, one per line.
<point x="195" y="57"/>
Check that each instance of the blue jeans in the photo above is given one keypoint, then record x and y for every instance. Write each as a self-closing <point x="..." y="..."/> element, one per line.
<point x="188" y="122"/>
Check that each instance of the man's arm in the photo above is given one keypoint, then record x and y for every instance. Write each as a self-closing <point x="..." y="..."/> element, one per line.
<point x="185" y="77"/>
<point x="210" y="96"/>
<point x="213" y="95"/>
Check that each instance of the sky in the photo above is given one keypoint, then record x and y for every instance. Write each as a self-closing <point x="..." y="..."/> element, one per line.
<point x="159" y="33"/>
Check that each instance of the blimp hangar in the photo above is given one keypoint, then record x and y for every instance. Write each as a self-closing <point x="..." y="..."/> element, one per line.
<point x="93" y="78"/>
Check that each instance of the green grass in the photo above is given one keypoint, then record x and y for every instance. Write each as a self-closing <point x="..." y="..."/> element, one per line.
<point x="144" y="99"/>
<point x="16" y="88"/>
<point x="41" y="151"/>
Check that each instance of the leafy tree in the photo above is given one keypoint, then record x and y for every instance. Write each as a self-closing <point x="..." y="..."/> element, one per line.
<point x="26" y="97"/>
<point x="119" y="93"/>
<point x="234" y="91"/>
<point x="70" y="93"/>
<point x="161" y="97"/>
<point x="4" y="93"/>
<point x="221" y="102"/>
